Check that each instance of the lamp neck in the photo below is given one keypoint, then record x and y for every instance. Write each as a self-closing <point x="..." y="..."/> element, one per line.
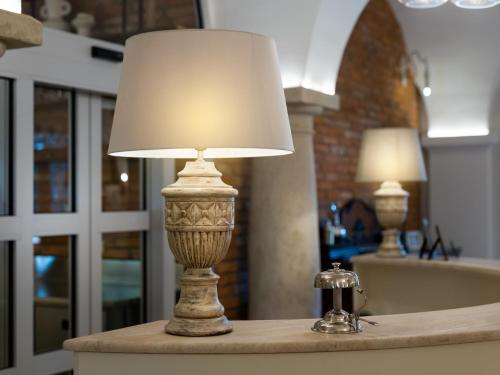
<point x="391" y="188"/>
<point x="391" y="184"/>
<point x="200" y="155"/>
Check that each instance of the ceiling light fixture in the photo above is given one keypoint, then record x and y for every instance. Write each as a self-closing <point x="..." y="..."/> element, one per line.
<point x="475" y="4"/>
<point x="422" y="4"/>
<point x="465" y="4"/>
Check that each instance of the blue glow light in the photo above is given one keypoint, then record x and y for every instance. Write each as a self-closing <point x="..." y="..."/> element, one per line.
<point x="39" y="146"/>
<point x="43" y="263"/>
<point x="41" y="292"/>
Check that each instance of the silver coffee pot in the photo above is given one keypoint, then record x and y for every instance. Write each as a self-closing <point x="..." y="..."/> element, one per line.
<point x="338" y="320"/>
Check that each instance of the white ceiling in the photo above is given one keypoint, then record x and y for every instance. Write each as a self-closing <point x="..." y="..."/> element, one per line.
<point x="310" y="34"/>
<point x="462" y="46"/>
<point x="463" y="49"/>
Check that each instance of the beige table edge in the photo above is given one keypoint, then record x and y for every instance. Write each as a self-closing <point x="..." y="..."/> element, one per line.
<point x="444" y="327"/>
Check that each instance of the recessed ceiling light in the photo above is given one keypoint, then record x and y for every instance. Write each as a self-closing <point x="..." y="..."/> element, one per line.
<point x="422" y="4"/>
<point x="475" y="4"/>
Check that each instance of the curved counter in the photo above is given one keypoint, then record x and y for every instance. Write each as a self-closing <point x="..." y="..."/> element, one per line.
<point x="407" y="285"/>
<point x="458" y="341"/>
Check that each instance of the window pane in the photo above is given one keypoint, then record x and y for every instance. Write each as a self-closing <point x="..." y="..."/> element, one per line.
<point x="122" y="279"/>
<point x="6" y="322"/>
<point x="122" y="178"/>
<point x="53" y="299"/>
<point x="53" y="150"/>
<point x="5" y="147"/>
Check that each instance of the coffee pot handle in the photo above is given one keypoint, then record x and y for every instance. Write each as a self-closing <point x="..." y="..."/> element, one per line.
<point x="354" y="316"/>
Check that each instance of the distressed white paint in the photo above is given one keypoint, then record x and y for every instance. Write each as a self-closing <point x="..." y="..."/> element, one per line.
<point x="310" y="34"/>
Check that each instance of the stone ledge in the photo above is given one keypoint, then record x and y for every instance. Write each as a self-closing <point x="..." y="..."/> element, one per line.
<point x="307" y="97"/>
<point x="19" y="30"/>
<point x="446" y="327"/>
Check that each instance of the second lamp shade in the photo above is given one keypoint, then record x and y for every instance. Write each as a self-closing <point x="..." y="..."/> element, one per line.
<point x="390" y="154"/>
<point x="212" y="90"/>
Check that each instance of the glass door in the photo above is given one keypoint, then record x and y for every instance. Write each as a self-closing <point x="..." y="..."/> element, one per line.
<point x="58" y="221"/>
<point x="76" y="226"/>
<point x="119" y="229"/>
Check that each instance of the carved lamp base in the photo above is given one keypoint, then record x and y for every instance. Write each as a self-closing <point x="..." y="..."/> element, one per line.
<point x="199" y="218"/>
<point x="391" y="207"/>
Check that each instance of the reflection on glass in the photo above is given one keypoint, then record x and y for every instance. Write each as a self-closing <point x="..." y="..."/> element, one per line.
<point x="53" y="150"/>
<point x="122" y="279"/>
<point x="6" y="322"/>
<point x="122" y="178"/>
<point x="5" y="147"/>
<point x="116" y="20"/>
<point x="53" y="299"/>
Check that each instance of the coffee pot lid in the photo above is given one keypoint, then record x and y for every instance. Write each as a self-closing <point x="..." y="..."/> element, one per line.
<point x="336" y="278"/>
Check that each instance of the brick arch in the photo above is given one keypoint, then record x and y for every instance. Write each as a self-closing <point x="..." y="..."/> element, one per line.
<point x="371" y="95"/>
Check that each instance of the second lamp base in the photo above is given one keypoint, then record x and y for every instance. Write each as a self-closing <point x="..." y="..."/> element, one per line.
<point x="391" y="246"/>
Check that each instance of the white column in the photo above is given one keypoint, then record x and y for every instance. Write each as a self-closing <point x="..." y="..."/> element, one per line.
<point x="284" y="236"/>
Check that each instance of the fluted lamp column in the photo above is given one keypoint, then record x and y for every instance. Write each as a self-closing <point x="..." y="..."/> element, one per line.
<point x="391" y="155"/>
<point x="200" y="94"/>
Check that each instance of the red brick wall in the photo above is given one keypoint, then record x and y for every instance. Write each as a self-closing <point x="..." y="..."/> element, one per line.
<point x="371" y="93"/>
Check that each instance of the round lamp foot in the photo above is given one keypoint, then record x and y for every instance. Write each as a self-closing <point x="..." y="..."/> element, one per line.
<point x="198" y="327"/>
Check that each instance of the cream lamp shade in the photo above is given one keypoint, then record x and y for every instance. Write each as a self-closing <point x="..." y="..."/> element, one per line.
<point x="213" y="90"/>
<point x="390" y="154"/>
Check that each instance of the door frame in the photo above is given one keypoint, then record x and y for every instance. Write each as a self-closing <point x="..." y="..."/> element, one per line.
<point x="65" y="60"/>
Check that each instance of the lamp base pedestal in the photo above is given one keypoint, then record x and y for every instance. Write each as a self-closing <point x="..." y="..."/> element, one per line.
<point x="198" y="312"/>
<point x="391" y="246"/>
<point x="198" y="327"/>
<point x="391" y="207"/>
<point x="199" y="218"/>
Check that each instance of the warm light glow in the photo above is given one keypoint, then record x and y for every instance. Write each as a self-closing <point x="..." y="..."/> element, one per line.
<point x="427" y="91"/>
<point x="167" y="108"/>
<point x="390" y="154"/>
<point x="11" y="5"/>
<point x="209" y="153"/>
<point x="124" y="177"/>
<point x="327" y="88"/>
<point x="475" y="4"/>
<point x="457" y="132"/>
<point x="422" y="4"/>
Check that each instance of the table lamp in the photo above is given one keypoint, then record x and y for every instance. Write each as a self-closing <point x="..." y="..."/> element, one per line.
<point x="200" y="94"/>
<point x="390" y="155"/>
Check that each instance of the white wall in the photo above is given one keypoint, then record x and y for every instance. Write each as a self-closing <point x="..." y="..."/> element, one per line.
<point x="495" y="129"/>
<point x="462" y="192"/>
<point x="464" y="56"/>
<point x="464" y="172"/>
